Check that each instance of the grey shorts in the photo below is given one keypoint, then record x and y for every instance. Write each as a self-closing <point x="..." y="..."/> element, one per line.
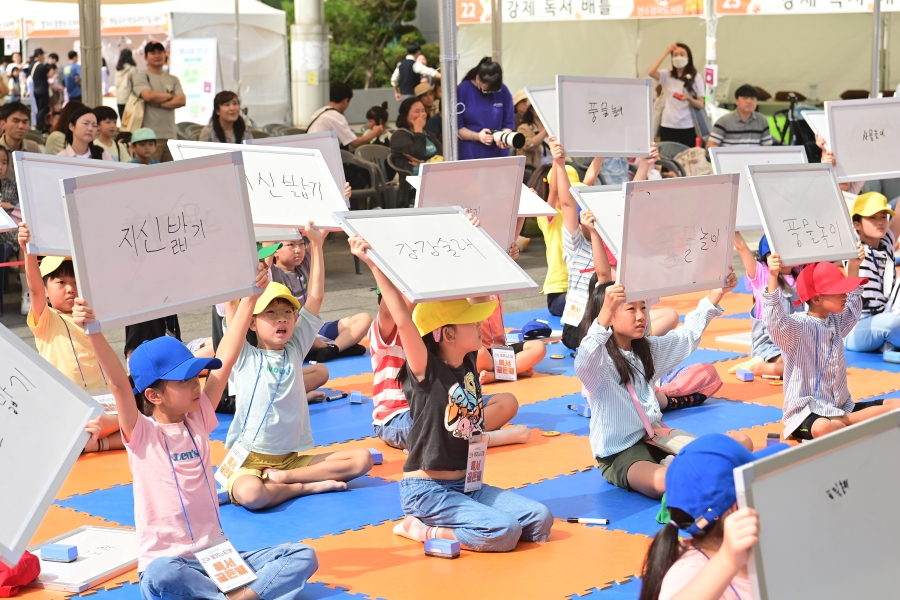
<point x="614" y="468"/>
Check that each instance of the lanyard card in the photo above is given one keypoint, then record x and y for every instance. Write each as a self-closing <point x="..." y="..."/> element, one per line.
<point x="475" y="463"/>
<point x="504" y="363"/>
<point x="106" y="399"/>
<point x="225" y="567"/>
<point x="233" y="461"/>
<point x="574" y="309"/>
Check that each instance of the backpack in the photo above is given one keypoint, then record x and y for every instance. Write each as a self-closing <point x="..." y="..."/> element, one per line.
<point x="694" y="162"/>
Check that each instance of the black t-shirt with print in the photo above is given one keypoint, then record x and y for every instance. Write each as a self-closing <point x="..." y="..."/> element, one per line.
<point x="446" y="410"/>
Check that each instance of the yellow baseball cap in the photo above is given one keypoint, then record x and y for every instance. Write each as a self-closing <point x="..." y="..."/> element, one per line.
<point x="273" y="292"/>
<point x="52" y="263"/>
<point x="869" y="204"/>
<point x="573" y="176"/>
<point x="429" y="316"/>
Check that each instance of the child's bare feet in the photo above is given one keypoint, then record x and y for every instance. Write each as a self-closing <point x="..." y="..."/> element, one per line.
<point x="486" y="377"/>
<point x="526" y="373"/>
<point x="316" y="487"/>
<point x="315" y="396"/>
<point x="517" y="434"/>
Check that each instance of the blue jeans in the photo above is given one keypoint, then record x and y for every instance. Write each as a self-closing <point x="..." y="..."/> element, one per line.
<point x="871" y="332"/>
<point x="281" y="573"/>
<point x="488" y="520"/>
<point x="395" y="431"/>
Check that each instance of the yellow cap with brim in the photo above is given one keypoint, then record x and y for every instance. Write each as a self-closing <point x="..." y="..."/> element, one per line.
<point x="869" y="204"/>
<point x="52" y="263"/>
<point x="429" y="316"/>
<point x="275" y="291"/>
<point x="573" y="176"/>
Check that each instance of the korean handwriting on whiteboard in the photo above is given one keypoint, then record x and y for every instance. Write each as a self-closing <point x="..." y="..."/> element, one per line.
<point x="684" y="240"/>
<point x="158" y="233"/>
<point x="838" y="490"/>
<point x="286" y="186"/>
<point x="13" y="390"/>
<point x="801" y="228"/>
<point x="451" y="247"/>
<point x="871" y="135"/>
<point x="604" y="109"/>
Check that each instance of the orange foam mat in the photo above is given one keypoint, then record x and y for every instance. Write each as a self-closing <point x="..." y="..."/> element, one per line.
<point x="759" y="433"/>
<point x="540" y="386"/>
<point x="59" y="520"/>
<point x="719" y="327"/>
<point x="374" y="561"/>
<point x="355" y="383"/>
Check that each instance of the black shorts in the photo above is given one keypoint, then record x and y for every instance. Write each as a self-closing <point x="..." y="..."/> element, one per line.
<point x="570" y="336"/>
<point x="804" y="430"/>
<point x="517" y="347"/>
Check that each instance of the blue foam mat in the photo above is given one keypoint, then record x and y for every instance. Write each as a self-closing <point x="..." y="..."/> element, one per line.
<point x="346" y="367"/>
<point x="312" y="591"/>
<point x="553" y="415"/>
<point x="627" y="591"/>
<point x="566" y="364"/>
<point x="870" y="360"/>
<point x="704" y="355"/>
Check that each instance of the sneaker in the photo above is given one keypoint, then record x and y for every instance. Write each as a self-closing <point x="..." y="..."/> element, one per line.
<point x="685" y="401"/>
<point x="26" y="303"/>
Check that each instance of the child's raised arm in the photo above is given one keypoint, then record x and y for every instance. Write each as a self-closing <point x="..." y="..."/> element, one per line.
<point x="32" y="274"/>
<point x="593" y="172"/>
<point x="567" y="203"/>
<point x="598" y="250"/>
<point x="645" y="164"/>
<point x="316" y="292"/>
<point x="746" y="255"/>
<point x="115" y="373"/>
<point x="783" y="330"/>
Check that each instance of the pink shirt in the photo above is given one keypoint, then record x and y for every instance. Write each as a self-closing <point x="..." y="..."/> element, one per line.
<point x="161" y="527"/>
<point x="689" y="566"/>
<point x="70" y="152"/>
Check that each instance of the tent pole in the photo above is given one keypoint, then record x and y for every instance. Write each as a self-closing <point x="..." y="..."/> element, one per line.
<point x="497" y="31"/>
<point x="91" y="60"/>
<point x="237" y="46"/>
<point x="712" y="23"/>
<point x="877" y="43"/>
<point x="449" y="60"/>
<point x="310" y="78"/>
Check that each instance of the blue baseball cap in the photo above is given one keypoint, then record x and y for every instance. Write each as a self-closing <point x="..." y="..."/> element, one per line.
<point x="700" y="480"/>
<point x="168" y="359"/>
<point x="536" y="329"/>
<point x="764" y="247"/>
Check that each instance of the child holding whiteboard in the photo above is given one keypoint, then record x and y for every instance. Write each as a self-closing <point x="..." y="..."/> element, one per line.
<point x="701" y="498"/>
<point x="62" y="343"/>
<point x="617" y="364"/>
<point x="176" y="512"/>
<point x="442" y="491"/>
<point x="816" y="399"/>
<point x="271" y="429"/>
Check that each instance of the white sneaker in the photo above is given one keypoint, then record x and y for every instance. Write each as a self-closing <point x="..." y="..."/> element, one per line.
<point x="26" y="303"/>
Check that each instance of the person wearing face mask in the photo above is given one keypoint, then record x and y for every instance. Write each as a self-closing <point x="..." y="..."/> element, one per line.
<point x="485" y="105"/>
<point x="412" y="144"/>
<point x="226" y="126"/>
<point x="683" y="90"/>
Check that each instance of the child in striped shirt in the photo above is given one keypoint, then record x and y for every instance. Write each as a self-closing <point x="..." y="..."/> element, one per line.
<point x="816" y="399"/>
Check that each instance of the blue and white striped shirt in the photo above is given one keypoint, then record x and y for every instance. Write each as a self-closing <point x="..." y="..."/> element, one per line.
<point x="815" y="369"/>
<point x="578" y="254"/>
<point x="615" y="425"/>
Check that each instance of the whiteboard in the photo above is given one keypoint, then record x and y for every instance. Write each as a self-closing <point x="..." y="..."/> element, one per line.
<point x="287" y="186"/>
<point x="543" y="99"/>
<point x="865" y="138"/>
<point x="607" y="202"/>
<point x="489" y="187"/>
<point x="686" y="245"/>
<point x="325" y="142"/>
<point x="733" y="159"/>
<point x="41" y="435"/>
<point x="163" y="239"/>
<point x="818" y="122"/>
<point x="6" y="222"/>
<point x="436" y="253"/>
<point x="103" y="553"/>
<point x="276" y="234"/>
<point x="37" y="177"/>
<point x="808" y="532"/>
<point x="803" y="212"/>
<point x="605" y="116"/>
<point x="530" y="204"/>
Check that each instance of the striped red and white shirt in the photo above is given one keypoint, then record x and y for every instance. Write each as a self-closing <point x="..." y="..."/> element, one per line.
<point x="387" y="360"/>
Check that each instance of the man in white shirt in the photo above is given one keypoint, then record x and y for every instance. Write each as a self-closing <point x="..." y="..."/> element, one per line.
<point x="409" y="73"/>
<point x="331" y="118"/>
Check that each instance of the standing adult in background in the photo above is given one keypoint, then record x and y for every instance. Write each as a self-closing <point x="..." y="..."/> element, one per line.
<point x="41" y="81"/>
<point x="15" y="61"/>
<point x="485" y="105"/>
<point x="162" y="94"/>
<point x="683" y="91"/>
<point x="409" y="73"/>
<point x="57" y="81"/>
<point x="15" y="118"/>
<point x="72" y="75"/>
<point x="226" y="126"/>
<point x="124" y="69"/>
<point x="744" y="126"/>
<point x="331" y="118"/>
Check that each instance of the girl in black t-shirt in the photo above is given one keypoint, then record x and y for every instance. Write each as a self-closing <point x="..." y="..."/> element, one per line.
<point x="440" y="381"/>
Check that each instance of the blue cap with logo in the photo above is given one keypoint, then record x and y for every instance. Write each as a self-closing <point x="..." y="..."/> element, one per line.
<point x="168" y="359"/>
<point x="700" y="480"/>
<point x="764" y="247"/>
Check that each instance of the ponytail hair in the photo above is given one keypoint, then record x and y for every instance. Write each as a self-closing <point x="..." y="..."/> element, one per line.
<point x="489" y="72"/>
<point x="379" y="114"/>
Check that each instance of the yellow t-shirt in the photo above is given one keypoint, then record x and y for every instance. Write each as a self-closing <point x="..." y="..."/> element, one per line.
<point x="557" y="280"/>
<point x="52" y="340"/>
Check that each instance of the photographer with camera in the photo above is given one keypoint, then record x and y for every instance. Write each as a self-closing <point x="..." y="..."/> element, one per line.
<point x="412" y="144"/>
<point x="485" y="113"/>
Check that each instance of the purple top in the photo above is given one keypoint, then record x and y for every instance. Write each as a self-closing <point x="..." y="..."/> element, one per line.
<point x="478" y="111"/>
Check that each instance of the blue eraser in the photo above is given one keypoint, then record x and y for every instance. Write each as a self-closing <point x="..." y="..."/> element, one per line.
<point x="377" y="457"/>
<point x="584" y="410"/>
<point x="744" y="375"/>
<point x="892" y="357"/>
<point x="59" y="552"/>
<point x="442" y="548"/>
<point x="356" y="398"/>
<point x="223" y="496"/>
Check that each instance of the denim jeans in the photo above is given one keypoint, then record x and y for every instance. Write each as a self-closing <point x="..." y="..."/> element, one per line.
<point x="871" y="332"/>
<point x="395" y="431"/>
<point x="281" y="573"/>
<point x="488" y="520"/>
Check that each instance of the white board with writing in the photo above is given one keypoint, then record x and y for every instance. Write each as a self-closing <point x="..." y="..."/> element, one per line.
<point x="489" y="187"/>
<point x="827" y="507"/>
<point x="865" y="138"/>
<point x="436" y="253"/>
<point x="103" y="553"/>
<point x="42" y="419"/>
<point x="543" y="99"/>
<point x="803" y="212"/>
<point x="276" y="234"/>
<point x="163" y="239"/>
<point x="37" y="177"/>
<point x="678" y="235"/>
<point x="605" y="116"/>
<point x="325" y="142"/>
<point x="818" y="122"/>
<point x="607" y="202"/>
<point x="733" y="159"/>
<point x="530" y="204"/>
<point x="287" y="186"/>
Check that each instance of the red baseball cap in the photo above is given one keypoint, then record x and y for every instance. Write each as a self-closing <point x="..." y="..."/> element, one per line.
<point x="824" y="278"/>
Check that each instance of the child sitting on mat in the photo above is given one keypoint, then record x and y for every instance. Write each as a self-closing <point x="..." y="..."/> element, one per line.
<point x="271" y="419"/>
<point x="617" y="363"/>
<point x="440" y="381"/>
<point x="176" y="512"/>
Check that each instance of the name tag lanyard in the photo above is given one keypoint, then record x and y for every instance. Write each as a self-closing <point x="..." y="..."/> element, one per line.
<point x="820" y="374"/>
<point x="271" y="400"/>
<point x="78" y="362"/>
